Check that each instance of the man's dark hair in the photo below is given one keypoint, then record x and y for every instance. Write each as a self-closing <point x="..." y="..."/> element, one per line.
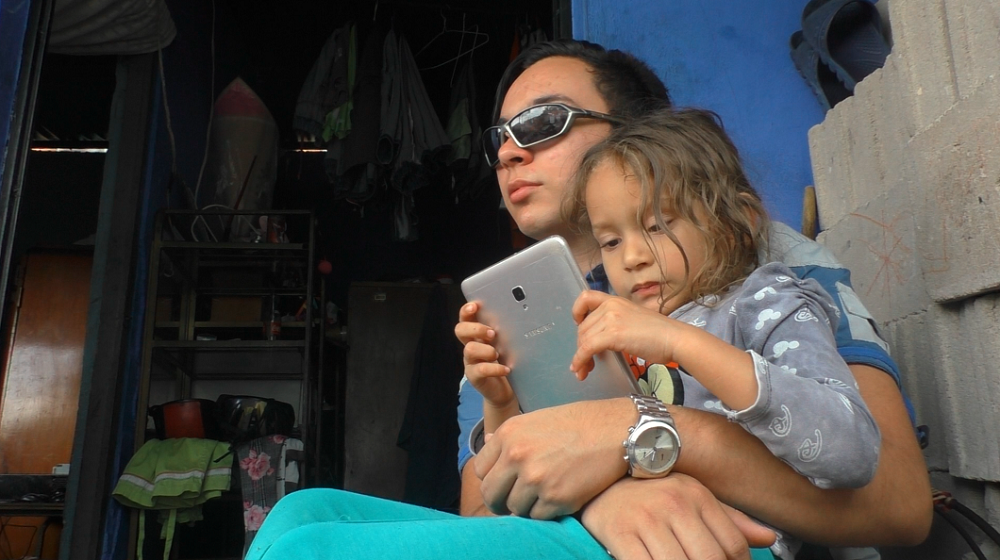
<point x="627" y="84"/>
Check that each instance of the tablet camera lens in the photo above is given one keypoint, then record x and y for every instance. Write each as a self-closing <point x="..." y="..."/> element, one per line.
<point x="518" y="293"/>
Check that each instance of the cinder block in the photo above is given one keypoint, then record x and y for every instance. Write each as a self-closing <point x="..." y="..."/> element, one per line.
<point x="923" y="52"/>
<point x="829" y="150"/>
<point x="968" y="339"/>
<point x="991" y="501"/>
<point x="894" y="122"/>
<point x="958" y="208"/>
<point x="877" y="243"/>
<point x="865" y="141"/>
<point x="974" y="30"/>
<point x="971" y="493"/>
<point x="918" y="364"/>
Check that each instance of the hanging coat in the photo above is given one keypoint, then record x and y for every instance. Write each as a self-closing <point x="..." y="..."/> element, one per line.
<point x="352" y="163"/>
<point x="472" y="176"/>
<point x="412" y="139"/>
<point x="327" y="88"/>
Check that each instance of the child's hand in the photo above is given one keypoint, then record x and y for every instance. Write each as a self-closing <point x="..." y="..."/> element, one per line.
<point x="480" y="357"/>
<point x="614" y="323"/>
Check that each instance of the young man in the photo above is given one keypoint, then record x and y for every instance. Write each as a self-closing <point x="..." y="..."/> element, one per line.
<point x="567" y="459"/>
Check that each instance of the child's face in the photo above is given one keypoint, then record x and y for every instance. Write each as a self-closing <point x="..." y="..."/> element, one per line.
<point x="642" y="268"/>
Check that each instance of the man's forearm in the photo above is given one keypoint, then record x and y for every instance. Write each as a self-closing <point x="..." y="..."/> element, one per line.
<point x="471" y="502"/>
<point x="894" y="509"/>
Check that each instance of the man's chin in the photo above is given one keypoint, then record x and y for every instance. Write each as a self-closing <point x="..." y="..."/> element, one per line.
<point x="537" y="233"/>
<point x="533" y="228"/>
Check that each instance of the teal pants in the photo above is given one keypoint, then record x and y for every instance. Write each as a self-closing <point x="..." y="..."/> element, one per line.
<point x="326" y="524"/>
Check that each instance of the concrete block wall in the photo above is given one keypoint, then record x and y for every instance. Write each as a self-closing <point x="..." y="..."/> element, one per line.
<point x="907" y="175"/>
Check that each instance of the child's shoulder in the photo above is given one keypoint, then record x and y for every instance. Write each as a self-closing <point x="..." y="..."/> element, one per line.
<point x="763" y="283"/>
<point x="775" y="284"/>
<point x="772" y="274"/>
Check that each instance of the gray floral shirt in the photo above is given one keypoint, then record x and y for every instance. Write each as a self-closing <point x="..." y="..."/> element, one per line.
<point x="808" y="411"/>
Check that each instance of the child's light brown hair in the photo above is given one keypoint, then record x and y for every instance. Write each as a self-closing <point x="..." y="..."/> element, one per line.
<point x="685" y="162"/>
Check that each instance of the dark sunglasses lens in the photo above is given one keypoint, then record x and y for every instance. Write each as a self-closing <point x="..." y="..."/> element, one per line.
<point x="492" y="140"/>
<point x="538" y="124"/>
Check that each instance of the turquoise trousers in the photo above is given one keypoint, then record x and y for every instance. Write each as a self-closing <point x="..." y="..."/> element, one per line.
<point x="326" y="524"/>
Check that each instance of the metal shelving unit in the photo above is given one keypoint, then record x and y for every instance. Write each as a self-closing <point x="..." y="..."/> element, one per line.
<point x="187" y="342"/>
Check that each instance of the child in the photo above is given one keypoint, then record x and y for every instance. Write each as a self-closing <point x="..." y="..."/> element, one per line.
<point x="680" y="230"/>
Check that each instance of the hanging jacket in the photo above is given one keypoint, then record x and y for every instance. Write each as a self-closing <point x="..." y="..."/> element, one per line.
<point x="472" y="176"/>
<point x="352" y="163"/>
<point x="327" y="88"/>
<point x="174" y="476"/>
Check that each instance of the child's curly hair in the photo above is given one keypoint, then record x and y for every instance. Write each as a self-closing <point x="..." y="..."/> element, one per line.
<point x="685" y="162"/>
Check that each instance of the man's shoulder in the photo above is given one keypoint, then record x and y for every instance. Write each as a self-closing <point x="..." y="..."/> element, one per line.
<point x="796" y="250"/>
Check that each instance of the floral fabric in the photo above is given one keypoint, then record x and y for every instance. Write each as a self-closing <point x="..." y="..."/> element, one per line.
<point x="269" y="468"/>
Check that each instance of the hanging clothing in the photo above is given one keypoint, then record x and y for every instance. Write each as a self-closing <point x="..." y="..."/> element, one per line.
<point x="410" y="127"/>
<point x="471" y="174"/>
<point x="429" y="430"/>
<point x="174" y="476"/>
<point x="324" y="103"/>
<point x="413" y="143"/>
<point x="337" y="123"/>
<point x="270" y="467"/>
<point x="419" y="127"/>
<point x="391" y="117"/>
<point x="351" y="162"/>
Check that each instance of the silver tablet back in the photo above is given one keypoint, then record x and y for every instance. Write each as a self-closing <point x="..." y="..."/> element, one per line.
<point x="528" y="299"/>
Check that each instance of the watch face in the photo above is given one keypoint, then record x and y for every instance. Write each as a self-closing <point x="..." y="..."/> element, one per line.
<point x="655" y="449"/>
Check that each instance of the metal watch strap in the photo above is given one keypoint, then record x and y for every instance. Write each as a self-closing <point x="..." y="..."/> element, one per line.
<point x="650" y="409"/>
<point x="650" y="406"/>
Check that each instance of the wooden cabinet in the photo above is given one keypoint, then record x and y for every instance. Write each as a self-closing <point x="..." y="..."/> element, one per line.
<point x="385" y="323"/>
<point x="42" y="368"/>
<point x="44" y="362"/>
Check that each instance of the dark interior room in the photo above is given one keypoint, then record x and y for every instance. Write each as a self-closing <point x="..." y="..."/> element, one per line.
<point x="294" y="261"/>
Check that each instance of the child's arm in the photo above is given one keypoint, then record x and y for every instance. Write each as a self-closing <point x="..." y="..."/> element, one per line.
<point x="802" y="388"/>
<point x="488" y="376"/>
<point x="614" y="323"/>
<point x="808" y="411"/>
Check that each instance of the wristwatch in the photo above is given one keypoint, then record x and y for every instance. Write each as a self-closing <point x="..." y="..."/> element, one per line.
<point x="653" y="445"/>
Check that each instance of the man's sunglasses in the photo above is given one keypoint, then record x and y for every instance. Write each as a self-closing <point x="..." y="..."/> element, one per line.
<point x="535" y="125"/>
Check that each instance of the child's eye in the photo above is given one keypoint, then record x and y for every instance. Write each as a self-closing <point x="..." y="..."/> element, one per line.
<point x="654" y="227"/>
<point x="610" y="244"/>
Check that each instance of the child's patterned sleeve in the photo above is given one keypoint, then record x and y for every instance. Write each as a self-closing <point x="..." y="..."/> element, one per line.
<point x="808" y="411"/>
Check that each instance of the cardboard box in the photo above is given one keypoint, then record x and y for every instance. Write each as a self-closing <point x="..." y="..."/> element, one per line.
<point x="164" y="308"/>
<point x="236" y="309"/>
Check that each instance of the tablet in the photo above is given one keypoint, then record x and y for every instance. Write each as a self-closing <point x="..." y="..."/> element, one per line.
<point x="528" y="299"/>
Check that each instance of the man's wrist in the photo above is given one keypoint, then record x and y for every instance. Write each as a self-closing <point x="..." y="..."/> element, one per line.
<point x="624" y="420"/>
<point x="652" y="444"/>
<point x="702" y="432"/>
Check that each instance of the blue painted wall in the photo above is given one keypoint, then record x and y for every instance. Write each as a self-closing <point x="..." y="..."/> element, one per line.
<point x="730" y="56"/>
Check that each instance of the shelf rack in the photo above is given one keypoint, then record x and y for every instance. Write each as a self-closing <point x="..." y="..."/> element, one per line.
<point x="185" y="343"/>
